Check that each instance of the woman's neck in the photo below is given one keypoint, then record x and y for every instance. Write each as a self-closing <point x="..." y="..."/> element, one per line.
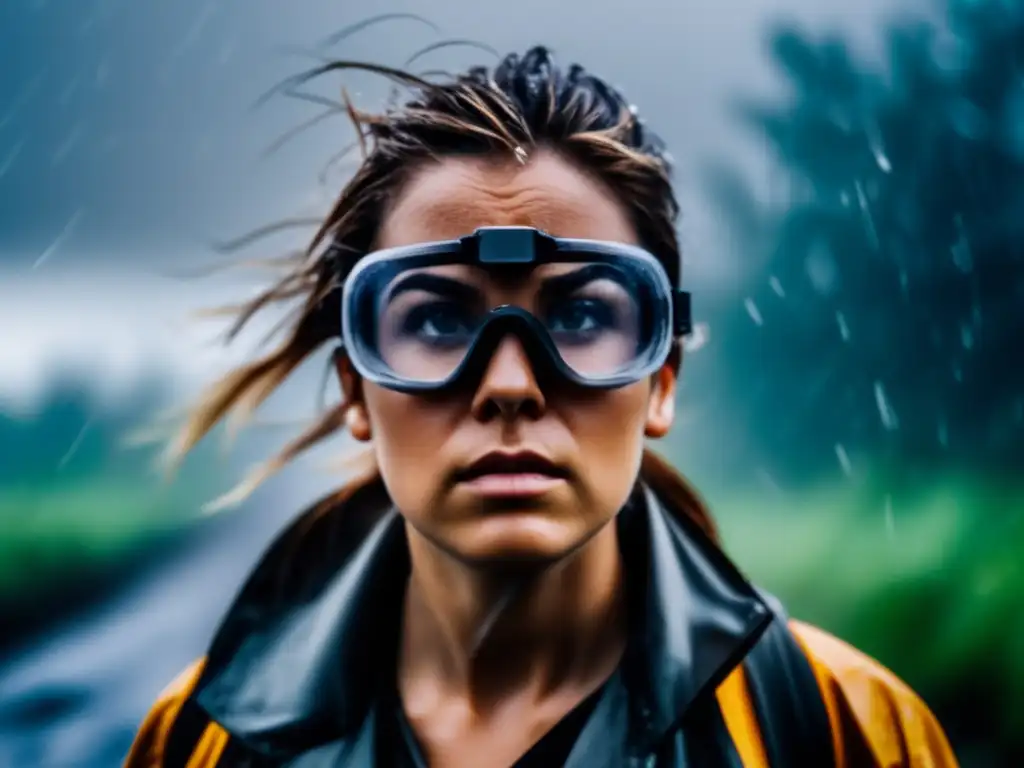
<point x="483" y="635"/>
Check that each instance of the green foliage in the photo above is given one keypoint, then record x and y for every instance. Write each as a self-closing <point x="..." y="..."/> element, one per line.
<point x="74" y="433"/>
<point x="49" y="533"/>
<point x="929" y="581"/>
<point x="75" y="497"/>
<point x="876" y="323"/>
<point x="880" y="300"/>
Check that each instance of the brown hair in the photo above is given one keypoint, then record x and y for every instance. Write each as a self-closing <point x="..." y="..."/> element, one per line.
<point x="524" y="102"/>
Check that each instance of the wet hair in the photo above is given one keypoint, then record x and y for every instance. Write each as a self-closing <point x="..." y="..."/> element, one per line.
<point x="523" y="103"/>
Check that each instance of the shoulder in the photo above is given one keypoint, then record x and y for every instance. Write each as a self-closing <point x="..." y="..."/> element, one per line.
<point x="876" y="717"/>
<point x="150" y="744"/>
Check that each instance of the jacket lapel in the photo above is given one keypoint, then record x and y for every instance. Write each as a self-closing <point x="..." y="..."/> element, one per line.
<point x="296" y="679"/>
<point x="701" y="619"/>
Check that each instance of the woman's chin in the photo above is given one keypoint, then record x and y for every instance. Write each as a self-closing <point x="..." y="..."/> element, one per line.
<point x="525" y="537"/>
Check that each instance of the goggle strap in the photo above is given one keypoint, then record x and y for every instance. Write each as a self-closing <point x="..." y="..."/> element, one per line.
<point x="682" y="313"/>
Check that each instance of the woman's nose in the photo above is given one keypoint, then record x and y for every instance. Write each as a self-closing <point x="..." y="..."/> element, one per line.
<point x="508" y="388"/>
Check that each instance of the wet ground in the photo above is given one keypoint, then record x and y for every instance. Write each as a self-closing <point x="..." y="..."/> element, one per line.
<point x="75" y="698"/>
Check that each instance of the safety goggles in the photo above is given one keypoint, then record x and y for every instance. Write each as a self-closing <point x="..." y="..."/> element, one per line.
<point x="428" y="317"/>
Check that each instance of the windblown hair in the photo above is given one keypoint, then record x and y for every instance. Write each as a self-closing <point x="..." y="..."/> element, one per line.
<point x="524" y="102"/>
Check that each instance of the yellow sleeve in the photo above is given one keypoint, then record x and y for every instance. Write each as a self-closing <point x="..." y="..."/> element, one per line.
<point x="877" y="720"/>
<point x="147" y="750"/>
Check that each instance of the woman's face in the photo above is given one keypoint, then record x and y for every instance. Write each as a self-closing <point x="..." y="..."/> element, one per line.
<point x="593" y="440"/>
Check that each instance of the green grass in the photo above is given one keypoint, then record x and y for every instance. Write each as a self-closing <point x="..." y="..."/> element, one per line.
<point x="934" y="589"/>
<point x="49" y="531"/>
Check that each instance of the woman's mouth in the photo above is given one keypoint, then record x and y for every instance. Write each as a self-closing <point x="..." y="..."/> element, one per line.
<point x="520" y="474"/>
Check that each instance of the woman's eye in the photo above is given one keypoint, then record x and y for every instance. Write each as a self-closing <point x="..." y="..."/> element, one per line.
<point x="438" y="320"/>
<point x="580" y="316"/>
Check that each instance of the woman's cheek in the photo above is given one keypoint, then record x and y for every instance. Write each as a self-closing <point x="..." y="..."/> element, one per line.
<point x="610" y="437"/>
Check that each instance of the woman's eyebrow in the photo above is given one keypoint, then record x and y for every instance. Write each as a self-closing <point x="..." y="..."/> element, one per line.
<point x="442" y="286"/>
<point x="572" y="281"/>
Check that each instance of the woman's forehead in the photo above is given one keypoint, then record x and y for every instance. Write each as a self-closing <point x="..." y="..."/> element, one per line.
<point x="455" y="196"/>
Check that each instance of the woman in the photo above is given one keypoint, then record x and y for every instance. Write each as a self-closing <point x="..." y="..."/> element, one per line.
<point x="518" y="582"/>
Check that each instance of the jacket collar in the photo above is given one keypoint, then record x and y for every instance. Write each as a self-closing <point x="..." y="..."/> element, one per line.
<point x="286" y="675"/>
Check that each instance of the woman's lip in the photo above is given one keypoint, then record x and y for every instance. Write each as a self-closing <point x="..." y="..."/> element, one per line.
<point x="513" y="484"/>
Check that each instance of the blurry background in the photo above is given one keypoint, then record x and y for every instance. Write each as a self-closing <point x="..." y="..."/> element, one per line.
<point x="852" y="175"/>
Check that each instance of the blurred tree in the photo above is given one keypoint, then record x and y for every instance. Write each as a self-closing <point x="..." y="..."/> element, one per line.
<point x="74" y="434"/>
<point x="80" y="509"/>
<point x="883" y="291"/>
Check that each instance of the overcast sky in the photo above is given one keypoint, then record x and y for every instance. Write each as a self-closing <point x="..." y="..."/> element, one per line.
<point x="127" y="137"/>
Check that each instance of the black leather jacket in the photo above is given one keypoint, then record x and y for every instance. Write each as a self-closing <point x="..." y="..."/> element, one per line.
<point x="296" y="673"/>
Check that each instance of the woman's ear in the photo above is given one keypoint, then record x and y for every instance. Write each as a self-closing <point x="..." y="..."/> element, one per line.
<point x="357" y="418"/>
<point x="661" y="407"/>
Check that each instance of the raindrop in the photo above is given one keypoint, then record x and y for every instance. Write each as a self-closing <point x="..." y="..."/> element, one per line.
<point x="943" y="433"/>
<point x="58" y="241"/>
<point x="844" y="460"/>
<point x="773" y="281"/>
<point x="869" y="221"/>
<point x="890" y="521"/>
<point x="875" y="142"/>
<point x="966" y="336"/>
<point x="75" y="445"/>
<point x="885" y="410"/>
<point x="883" y="161"/>
<point x="844" y="329"/>
<point x="753" y="311"/>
